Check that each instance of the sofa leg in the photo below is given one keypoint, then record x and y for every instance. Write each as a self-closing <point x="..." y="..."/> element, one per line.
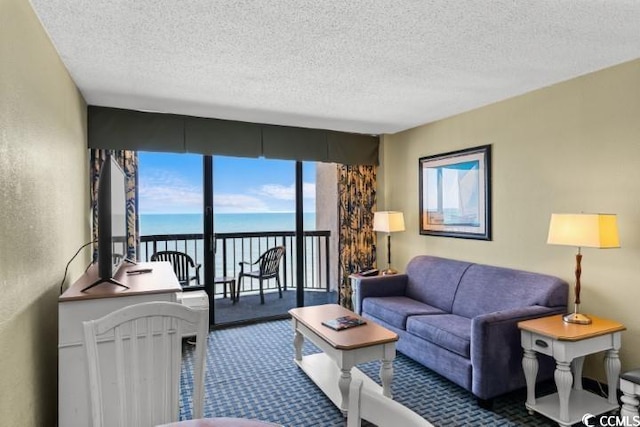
<point x="486" y="404"/>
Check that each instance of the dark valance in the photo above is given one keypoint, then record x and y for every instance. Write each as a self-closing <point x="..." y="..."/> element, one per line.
<point x="118" y="129"/>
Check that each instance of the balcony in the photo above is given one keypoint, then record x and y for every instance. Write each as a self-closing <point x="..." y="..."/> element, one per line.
<point x="232" y="248"/>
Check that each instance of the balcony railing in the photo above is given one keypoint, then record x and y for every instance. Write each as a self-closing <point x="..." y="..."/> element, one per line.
<point x="232" y="248"/>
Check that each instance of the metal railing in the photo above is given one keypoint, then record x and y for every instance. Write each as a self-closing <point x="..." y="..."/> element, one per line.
<point x="232" y="248"/>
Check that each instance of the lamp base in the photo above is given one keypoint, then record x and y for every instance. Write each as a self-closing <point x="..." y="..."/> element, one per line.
<point x="578" y="318"/>
<point x="389" y="271"/>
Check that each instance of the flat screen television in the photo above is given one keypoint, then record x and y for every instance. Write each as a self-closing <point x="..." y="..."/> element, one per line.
<point x="112" y="222"/>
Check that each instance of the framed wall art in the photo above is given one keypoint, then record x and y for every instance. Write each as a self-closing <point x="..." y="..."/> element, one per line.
<point x="455" y="194"/>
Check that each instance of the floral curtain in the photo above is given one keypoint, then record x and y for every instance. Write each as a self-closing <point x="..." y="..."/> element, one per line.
<point x="128" y="161"/>
<point x="357" y="201"/>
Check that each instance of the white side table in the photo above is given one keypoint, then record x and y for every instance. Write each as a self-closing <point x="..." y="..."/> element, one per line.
<point x="568" y="344"/>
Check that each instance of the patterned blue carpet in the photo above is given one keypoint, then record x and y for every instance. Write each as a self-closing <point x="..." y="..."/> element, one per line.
<point x="251" y="374"/>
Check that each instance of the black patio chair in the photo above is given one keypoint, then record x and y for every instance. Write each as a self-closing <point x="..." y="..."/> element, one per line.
<point x="268" y="268"/>
<point x="181" y="263"/>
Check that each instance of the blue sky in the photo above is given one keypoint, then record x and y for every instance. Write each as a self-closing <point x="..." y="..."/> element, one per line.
<point x="172" y="183"/>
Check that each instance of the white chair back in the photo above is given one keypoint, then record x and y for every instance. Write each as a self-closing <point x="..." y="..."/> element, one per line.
<point x="379" y="409"/>
<point x="134" y="360"/>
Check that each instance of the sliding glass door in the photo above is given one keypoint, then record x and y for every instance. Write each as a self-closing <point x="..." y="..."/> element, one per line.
<point x="225" y="213"/>
<point x="259" y="205"/>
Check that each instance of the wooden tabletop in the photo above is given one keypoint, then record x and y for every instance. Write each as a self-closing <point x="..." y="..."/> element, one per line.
<point x="161" y="279"/>
<point x="555" y="327"/>
<point x="346" y="339"/>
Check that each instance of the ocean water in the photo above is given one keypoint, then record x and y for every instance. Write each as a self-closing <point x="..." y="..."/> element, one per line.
<point x="223" y="223"/>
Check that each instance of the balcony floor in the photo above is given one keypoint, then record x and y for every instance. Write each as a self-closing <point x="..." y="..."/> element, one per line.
<point x="249" y="308"/>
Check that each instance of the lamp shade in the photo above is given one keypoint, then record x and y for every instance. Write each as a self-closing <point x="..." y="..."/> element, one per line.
<point x="388" y="221"/>
<point x="584" y="230"/>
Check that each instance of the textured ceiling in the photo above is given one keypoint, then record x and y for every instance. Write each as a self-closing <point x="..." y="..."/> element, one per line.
<point x="353" y="65"/>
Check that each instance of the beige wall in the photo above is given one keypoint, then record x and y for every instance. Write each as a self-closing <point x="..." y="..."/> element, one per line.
<point x="44" y="210"/>
<point x="572" y="147"/>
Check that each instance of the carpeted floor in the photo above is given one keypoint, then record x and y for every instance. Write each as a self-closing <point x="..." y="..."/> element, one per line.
<point x="251" y="374"/>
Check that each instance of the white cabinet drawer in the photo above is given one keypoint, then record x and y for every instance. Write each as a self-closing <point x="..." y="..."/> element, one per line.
<point x="542" y="344"/>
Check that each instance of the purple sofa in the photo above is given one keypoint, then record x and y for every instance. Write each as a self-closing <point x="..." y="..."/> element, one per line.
<point x="459" y="319"/>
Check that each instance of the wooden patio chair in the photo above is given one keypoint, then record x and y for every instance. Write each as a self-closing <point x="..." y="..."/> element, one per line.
<point x="268" y="268"/>
<point x="182" y="264"/>
<point x="134" y="357"/>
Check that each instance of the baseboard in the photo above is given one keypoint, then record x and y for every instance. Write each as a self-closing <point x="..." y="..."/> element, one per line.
<point x="601" y="389"/>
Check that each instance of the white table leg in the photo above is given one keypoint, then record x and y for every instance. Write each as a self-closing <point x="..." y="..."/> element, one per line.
<point x="612" y="369"/>
<point x="577" y="364"/>
<point x="298" y="339"/>
<point x="343" y="384"/>
<point x="530" y="367"/>
<point x="386" y="376"/>
<point x="564" y="380"/>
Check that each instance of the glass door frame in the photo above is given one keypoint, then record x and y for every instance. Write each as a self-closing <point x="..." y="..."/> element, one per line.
<point x="208" y="234"/>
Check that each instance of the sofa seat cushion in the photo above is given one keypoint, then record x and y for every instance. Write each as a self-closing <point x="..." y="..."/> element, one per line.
<point x="395" y="310"/>
<point x="446" y="330"/>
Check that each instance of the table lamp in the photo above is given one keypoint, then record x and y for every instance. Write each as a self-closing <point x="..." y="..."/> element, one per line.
<point x="388" y="222"/>
<point x="582" y="230"/>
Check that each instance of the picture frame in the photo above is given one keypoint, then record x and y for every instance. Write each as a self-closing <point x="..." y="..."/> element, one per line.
<point x="455" y="194"/>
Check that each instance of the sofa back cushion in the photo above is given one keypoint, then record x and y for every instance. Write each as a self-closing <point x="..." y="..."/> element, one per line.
<point x="486" y="289"/>
<point x="434" y="280"/>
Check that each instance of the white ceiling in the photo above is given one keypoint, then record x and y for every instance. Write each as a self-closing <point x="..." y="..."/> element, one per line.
<point x="354" y="65"/>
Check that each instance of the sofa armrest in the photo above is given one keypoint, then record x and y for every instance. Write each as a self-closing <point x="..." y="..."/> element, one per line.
<point x="496" y="351"/>
<point x="378" y="286"/>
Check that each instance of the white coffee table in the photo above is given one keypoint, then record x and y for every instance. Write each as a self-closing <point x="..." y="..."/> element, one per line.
<point x="333" y="369"/>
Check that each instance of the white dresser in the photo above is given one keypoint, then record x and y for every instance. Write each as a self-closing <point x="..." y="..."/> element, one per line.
<point x="75" y="306"/>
